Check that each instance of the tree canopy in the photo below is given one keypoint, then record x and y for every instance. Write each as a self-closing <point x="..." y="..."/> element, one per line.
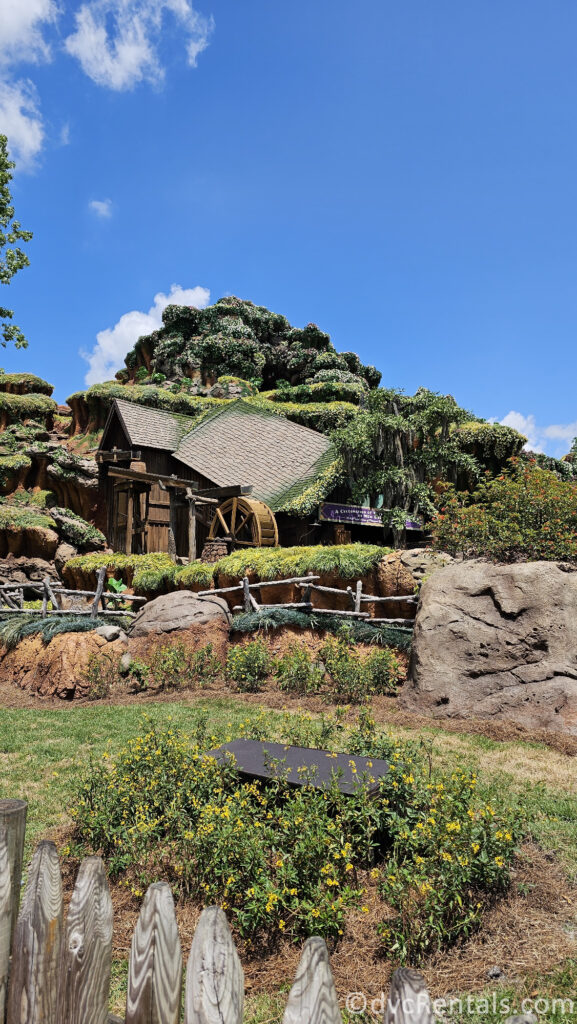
<point x="12" y="257"/>
<point x="398" y="449"/>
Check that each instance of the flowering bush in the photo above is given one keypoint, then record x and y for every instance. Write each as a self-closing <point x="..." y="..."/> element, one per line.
<point x="525" y="513"/>
<point x="298" y="673"/>
<point x="279" y="859"/>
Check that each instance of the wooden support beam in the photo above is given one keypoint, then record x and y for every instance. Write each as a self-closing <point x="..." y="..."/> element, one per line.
<point x="129" y="522"/>
<point x="179" y="484"/>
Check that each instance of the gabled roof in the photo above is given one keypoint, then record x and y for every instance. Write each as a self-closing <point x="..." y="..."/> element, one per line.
<point x="151" y="428"/>
<point x="245" y="444"/>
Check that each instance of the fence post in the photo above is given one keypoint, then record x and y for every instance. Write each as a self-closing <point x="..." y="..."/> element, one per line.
<point x="5" y="919"/>
<point x="358" y="595"/>
<point x="409" y="1001"/>
<point x="87" y="947"/>
<point x="99" y="592"/>
<point x="246" y="595"/>
<point x="306" y="596"/>
<point x="313" y="998"/>
<point x="13" y="819"/>
<point x="37" y="942"/>
<point x="155" y="968"/>
<point x="214" y="977"/>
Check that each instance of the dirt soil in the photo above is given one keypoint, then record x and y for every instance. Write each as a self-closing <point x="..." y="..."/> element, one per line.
<point x="532" y="931"/>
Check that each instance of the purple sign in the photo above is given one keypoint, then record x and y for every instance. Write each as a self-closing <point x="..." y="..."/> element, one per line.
<point x="360" y="514"/>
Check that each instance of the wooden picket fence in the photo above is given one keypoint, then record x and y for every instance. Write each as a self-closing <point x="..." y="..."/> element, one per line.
<point x="309" y="584"/>
<point x="59" y="970"/>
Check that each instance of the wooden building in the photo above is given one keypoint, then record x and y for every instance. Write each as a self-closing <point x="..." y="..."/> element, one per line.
<point x="170" y="485"/>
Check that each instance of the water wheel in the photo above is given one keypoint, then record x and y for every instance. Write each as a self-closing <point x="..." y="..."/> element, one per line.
<point x="247" y="521"/>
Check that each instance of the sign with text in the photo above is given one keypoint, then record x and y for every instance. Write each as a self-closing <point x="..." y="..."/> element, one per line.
<point x="359" y="514"/>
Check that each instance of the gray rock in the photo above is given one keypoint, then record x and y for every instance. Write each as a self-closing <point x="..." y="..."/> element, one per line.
<point x="494" y="973"/>
<point x="125" y="663"/>
<point x="110" y="633"/>
<point x="498" y="642"/>
<point x="64" y="552"/>
<point x="180" y="610"/>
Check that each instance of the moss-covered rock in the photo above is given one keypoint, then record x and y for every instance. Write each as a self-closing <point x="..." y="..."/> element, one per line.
<point x="24" y="384"/>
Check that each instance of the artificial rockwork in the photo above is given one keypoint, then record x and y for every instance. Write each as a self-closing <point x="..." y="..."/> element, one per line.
<point x="498" y="642"/>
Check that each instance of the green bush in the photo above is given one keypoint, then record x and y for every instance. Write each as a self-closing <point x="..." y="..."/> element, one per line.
<point x="297" y="672"/>
<point x="175" y="667"/>
<point x="248" y="665"/>
<point x="354" y="679"/>
<point x="285" y="860"/>
<point x="126" y="567"/>
<point x="27" y="407"/>
<point x="99" y="676"/>
<point x="525" y="513"/>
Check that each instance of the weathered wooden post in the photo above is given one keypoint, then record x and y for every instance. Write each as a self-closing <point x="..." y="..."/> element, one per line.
<point x="99" y="592"/>
<point x="246" y="595"/>
<point x="155" y="968"/>
<point x="214" y="977"/>
<point x="37" y="943"/>
<point x="5" y="919"/>
<point x="13" y="820"/>
<point x="306" y="596"/>
<point x="358" y="595"/>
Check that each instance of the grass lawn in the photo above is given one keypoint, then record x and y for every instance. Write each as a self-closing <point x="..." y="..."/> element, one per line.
<point x="42" y="752"/>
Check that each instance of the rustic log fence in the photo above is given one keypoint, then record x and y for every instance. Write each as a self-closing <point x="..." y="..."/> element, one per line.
<point x="12" y="599"/>
<point x="59" y="969"/>
<point x="308" y="584"/>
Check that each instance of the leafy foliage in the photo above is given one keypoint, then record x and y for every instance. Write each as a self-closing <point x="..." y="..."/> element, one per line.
<point x="241" y="340"/>
<point x="76" y="530"/>
<point x="395" y="451"/>
<point x="295" y="861"/>
<point x="24" y="383"/>
<point x="12" y="256"/>
<point x="353" y="679"/>
<point x="249" y="664"/>
<point x="525" y="513"/>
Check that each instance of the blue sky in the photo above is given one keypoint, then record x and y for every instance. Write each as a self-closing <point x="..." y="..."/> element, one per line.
<point x="402" y="174"/>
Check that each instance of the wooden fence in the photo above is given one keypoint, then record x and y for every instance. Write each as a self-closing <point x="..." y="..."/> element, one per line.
<point x="59" y="970"/>
<point x="308" y="584"/>
<point x="12" y="599"/>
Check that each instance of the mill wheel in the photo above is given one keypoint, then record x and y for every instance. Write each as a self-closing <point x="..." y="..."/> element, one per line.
<point x="248" y="521"/>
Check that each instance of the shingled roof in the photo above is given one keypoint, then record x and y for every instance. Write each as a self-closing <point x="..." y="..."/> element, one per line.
<point x="152" y="428"/>
<point x="243" y="443"/>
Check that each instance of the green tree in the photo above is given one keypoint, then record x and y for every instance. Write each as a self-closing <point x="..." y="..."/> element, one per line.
<point x="12" y="257"/>
<point x="398" y="450"/>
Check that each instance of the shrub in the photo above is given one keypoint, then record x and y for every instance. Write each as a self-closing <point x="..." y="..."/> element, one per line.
<point x="99" y="677"/>
<point x="284" y="860"/>
<point x="525" y="513"/>
<point x="362" y="632"/>
<point x="15" y="516"/>
<point x="298" y="673"/>
<point x="197" y="574"/>
<point x="353" y="678"/>
<point x="248" y="664"/>
<point x="175" y="666"/>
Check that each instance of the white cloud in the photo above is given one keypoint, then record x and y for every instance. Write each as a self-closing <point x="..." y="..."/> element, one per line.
<point x="101" y="207"/>
<point x="21" y="39"/>
<point x="65" y="134"/>
<point x="21" y="24"/>
<point x="112" y="344"/>
<point x="21" y="122"/>
<point x="116" y="40"/>
<point x="542" y="439"/>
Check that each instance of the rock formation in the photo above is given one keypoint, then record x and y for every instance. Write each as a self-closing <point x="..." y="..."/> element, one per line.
<point x="497" y="641"/>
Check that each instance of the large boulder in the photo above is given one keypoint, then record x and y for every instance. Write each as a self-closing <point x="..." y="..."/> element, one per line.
<point x="177" y="611"/>
<point x="497" y="641"/>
